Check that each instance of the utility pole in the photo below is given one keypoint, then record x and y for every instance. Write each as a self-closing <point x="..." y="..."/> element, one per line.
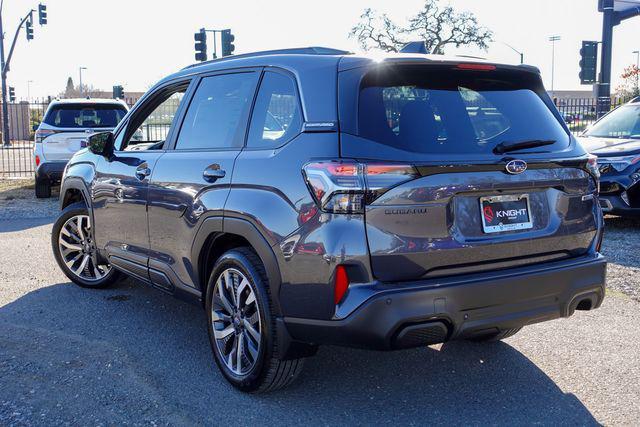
<point x="80" y="87"/>
<point x="553" y="40"/>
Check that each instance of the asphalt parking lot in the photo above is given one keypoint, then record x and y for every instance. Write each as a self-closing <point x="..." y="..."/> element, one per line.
<point x="131" y="355"/>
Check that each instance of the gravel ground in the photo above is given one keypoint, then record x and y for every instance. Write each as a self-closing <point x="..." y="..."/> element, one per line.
<point x="132" y="355"/>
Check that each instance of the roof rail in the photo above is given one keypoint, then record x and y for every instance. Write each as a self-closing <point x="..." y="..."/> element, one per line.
<point x="313" y="50"/>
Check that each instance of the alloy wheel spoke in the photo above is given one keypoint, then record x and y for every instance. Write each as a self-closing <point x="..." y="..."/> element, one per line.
<point x="241" y="287"/>
<point x="83" y="264"/>
<point x="223" y="298"/>
<point x="240" y="352"/>
<point x="252" y="331"/>
<point x="220" y="316"/>
<point x="70" y="245"/>
<point x="224" y="332"/>
<point x="79" y="227"/>
<point x="253" y="349"/>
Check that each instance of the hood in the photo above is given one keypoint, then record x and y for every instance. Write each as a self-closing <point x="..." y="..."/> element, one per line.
<point x="603" y="147"/>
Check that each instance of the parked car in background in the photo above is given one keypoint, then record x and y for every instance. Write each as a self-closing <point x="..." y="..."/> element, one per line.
<point x="310" y="197"/>
<point x="615" y="140"/>
<point x="66" y="125"/>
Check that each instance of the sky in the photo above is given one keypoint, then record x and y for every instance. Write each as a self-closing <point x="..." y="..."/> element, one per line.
<point x="137" y="42"/>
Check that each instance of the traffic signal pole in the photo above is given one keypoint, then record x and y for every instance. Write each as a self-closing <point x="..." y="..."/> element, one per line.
<point x="5" y="110"/>
<point x="610" y="18"/>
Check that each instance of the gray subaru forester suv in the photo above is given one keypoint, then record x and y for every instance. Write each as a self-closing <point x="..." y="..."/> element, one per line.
<point x="311" y="196"/>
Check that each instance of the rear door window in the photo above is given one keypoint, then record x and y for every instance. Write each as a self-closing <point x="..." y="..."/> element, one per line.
<point x="417" y="109"/>
<point x="85" y="116"/>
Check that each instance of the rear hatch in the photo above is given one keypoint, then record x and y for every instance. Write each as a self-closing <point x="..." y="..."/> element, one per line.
<point x="67" y="126"/>
<point x="485" y="174"/>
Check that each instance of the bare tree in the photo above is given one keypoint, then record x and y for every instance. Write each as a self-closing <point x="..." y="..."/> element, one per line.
<point x="438" y="26"/>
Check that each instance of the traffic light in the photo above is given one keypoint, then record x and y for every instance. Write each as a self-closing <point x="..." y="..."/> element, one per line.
<point x="12" y="94"/>
<point x="118" y="92"/>
<point x="227" y="43"/>
<point x="42" y="14"/>
<point x="201" y="45"/>
<point x="29" y="29"/>
<point x="588" y="62"/>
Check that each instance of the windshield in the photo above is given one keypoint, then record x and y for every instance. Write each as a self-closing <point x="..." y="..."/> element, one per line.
<point x="85" y="115"/>
<point x="433" y="111"/>
<point x="623" y="122"/>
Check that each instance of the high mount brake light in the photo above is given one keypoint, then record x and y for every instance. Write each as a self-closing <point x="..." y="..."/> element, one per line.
<point x="346" y="186"/>
<point x="476" y="67"/>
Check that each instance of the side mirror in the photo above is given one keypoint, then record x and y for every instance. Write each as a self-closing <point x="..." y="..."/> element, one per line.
<point x="101" y="144"/>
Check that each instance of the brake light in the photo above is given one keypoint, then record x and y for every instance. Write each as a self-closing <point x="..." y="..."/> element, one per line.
<point x="347" y="186"/>
<point x="37" y="160"/>
<point x="41" y="134"/>
<point x="476" y="67"/>
<point x="592" y="168"/>
<point x="341" y="283"/>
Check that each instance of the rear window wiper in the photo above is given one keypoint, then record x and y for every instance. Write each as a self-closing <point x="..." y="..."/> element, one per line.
<point x="505" y="147"/>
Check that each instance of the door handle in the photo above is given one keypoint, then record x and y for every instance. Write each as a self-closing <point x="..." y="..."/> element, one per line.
<point x="213" y="172"/>
<point x="142" y="172"/>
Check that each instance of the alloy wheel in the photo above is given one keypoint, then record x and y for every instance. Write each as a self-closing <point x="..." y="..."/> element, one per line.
<point x="78" y="250"/>
<point x="236" y="321"/>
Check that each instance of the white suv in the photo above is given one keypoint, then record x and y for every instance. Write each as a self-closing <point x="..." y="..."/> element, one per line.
<point x="64" y="130"/>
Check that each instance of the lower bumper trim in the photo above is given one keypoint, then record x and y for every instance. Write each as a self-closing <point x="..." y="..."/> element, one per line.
<point x="499" y="302"/>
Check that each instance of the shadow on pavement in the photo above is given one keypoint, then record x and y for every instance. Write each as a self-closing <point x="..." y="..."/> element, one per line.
<point x="10" y="225"/>
<point x="160" y="368"/>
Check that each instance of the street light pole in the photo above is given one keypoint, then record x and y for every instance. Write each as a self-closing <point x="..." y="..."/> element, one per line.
<point x="5" y="110"/>
<point x="81" y="68"/>
<point x="553" y="40"/>
<point x="637" y="52"/>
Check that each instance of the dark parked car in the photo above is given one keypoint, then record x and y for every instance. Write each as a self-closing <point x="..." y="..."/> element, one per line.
<point x="310" y="196"/>
<point x="615" y="140"/>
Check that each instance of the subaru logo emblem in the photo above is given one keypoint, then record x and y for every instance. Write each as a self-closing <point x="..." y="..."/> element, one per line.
<point x="514" y="167"/>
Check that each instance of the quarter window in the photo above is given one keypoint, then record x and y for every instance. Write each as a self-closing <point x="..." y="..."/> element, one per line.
<point x="276" y="116"/>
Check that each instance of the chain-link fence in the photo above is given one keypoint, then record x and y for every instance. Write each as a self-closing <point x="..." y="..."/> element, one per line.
<point x="17" y="161"/>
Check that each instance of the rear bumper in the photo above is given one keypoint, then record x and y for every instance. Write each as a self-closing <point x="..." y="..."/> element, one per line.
<point x="51" y="170"/>
<point x="473" y="305"/>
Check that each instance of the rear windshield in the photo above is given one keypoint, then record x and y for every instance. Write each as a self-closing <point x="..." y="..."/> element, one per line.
<point x="433" y="111"/>
<point x="85" y="116"/>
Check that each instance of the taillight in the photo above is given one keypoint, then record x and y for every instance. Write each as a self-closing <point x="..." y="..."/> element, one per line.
<point x="341" y="283"/>
<point x="37" y="160"/>
<point x="41" y="134"/>
<point x="347" y="186"/>
<point x="592" y="168"/>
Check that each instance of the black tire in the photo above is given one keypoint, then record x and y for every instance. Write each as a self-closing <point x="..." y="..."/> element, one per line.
<point x="71" y="211"/>
<point x="497" y="336"/>
<point x="43" y="188"/>
<point x="267" y="373"/>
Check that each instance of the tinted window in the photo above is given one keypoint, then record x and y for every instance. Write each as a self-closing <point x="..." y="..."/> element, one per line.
<point x="217" y="115"/>
<point x="85" y="115"/>
<point x="421" y="110"/>
<point x="621" y="123"/>
<point x="276" y="115"/>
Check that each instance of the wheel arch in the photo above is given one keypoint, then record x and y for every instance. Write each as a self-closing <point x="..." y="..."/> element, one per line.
<point x="73" y="190"/>
<point x="217" y="236"/>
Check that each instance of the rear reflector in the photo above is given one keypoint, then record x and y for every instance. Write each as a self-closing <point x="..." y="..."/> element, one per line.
<point x="37" y="160"/>
<point x="477" y="67"/>
<point x="341" y="283"/>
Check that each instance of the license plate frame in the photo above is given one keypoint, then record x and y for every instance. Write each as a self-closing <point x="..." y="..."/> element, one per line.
<point x="489" y="224"/>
